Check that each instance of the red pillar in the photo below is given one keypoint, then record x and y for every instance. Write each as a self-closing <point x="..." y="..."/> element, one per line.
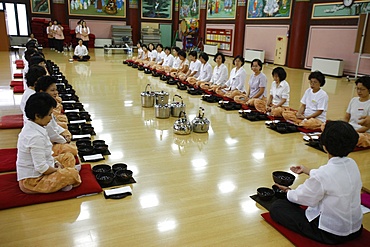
<point x="132" y="19"/>
<point x="202" y="25"/>
<point x="58" y="11"/>
<point x="175" y="20"/>
<point x="239" y="30"/>
<point x="298" y="35"/>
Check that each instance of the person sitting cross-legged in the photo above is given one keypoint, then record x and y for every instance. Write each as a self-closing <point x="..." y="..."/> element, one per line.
<point x="81" y="53"/>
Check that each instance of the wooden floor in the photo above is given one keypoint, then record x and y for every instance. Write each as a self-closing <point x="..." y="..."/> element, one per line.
<point x="191" y="190"/>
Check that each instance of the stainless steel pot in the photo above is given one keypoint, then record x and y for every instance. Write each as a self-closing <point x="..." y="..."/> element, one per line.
<point x="159" y="94"/>
<point x="182" y="126"/>
<point x="200" y="124"/>
<point x="177" y="107"/>
<point x="162" y="109"/>
<point x="147" y="97"/>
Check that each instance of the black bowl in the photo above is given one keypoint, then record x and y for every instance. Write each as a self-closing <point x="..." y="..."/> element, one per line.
<point x="123" y="175"/>
<point x="73" y="126"/>
<point x="119" y="166"/>
<point x="103" y="168"/>
<point x="83" y="143"/>
<point x="87" y="130"/>
<point x="98" y="142"/>
<point x="75" y="131"/>
<point x="283" y="178"/>
<point x="73" y="118"/>
<point x="85" y="150"/>
<point x="100" y="148"/>
<point x="278" y="192"/>
<point x="265" y="194"/>
<point x="105" y="178"/>
<point x="78" y="105"/>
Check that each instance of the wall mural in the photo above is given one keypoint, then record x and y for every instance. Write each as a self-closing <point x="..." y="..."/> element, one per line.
<point x="189" y="9"/>
<point x="267" y="9"/>
<point x="98" y="8"/>
<point x="221" y="9"/>
<point x="156" y="9"/>
<point x="40" y="6"/>
<point x="338" y="10"/>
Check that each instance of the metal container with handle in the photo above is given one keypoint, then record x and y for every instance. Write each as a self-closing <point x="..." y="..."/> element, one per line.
<point x="182" y="126"/>
<point x="147" y="97"/>
<point x="200" y="124"/>
<point x="162" y="109"/>
<point x="159" y="94"/>
<point x="177" y="107"/>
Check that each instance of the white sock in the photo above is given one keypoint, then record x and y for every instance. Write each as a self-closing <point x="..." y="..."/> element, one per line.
<point x="67" y="188"/>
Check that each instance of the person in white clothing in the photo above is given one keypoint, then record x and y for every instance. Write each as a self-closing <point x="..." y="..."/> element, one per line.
<point x="176" y="62"/>
<point x="236" y="83"/>
<point x="220" y="74"/>
<point x="84" y="34"/>
<point x="194" y="68"/>
<point x="78" y="30"/>
<point x="37" y="170"/>
<point x="50" y="33"/>
<point x="167" y="61"/>
<point x="81" y="53"/>
<point x="314" y="104"/>
<point x="359" y="107"/>
<point x="205" y="70"/>
<point x="160" y="57"/>
<point x="257" y="86"/>
<point x="332" y="192"/>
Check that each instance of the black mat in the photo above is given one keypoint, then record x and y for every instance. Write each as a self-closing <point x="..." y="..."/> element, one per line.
<point x="286" y="128"/>
<point x="118" y="183"/>
<point x="254" y="116"/>
<point x="315" y="145"/>
<point x="265" y="204"/>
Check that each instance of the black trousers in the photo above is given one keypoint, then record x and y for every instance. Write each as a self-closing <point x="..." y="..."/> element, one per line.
<point x="84" y="58"/>
<point x="86" y="43"/>
<point x="51" y="43"/>
<point x="58" y="44"/>
<point x="293" y="217"/>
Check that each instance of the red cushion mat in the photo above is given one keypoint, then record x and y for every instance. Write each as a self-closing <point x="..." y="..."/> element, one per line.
<point x="301" y="241"/>
<point x="16" y="83"/>
<point x="19" y="66"/>
<point x="8" y="158"/>
<point x="18" y="89"/>
<point x="11" y="196"/>
<point x="18" y="75"/>
<point x="19" y="61"/>
<point x="11" y="121"/>
<point x="304" y="130"/>
<point x="365" y="199"/>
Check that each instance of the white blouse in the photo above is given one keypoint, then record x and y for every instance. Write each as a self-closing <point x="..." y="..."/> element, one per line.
<point x="237" y="79"/>
<point x="205" y="72"/>
<point x="219" y="76"/>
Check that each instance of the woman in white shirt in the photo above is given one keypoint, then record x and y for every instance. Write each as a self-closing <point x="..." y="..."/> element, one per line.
<point x="332" y="193"/>
<point x="85" y="31"/>
<point x="359" y="107"/>
<point x="50" y="33"/>
<point x="183" y="67"/>
<point x="78" y="30"/>
<point x="257" y="85"/>
<point x="176" y="60"/>
<point x="236" y="83"/>
<point x="205" y="74"/>
<point x="167" y="61"/>
<point x="37" y="170"/>
<point x="220" y="74"/>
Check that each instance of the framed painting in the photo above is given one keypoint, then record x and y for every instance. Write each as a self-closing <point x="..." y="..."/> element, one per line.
<point x="40" y="6"/>
<point x="156" y="9"/>
<point x="267" y="9"/>
<point x="97" y="8"/>
<point x="221" y="9"/>
<point x="189" y="9"/>
<point x="338" y="10"/>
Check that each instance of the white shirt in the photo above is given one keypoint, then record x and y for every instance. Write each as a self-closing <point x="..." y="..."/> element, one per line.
<point x="152" y="55"/>
<point x="27" y="93"/>
<point x="82" y="30"/>
<point x="81" y="50"/>
<point x="219" y="76"/>
<point x="176" y="62"/>
<point x="255" y="83"/>
<point x="333" y="192"/>
<point x="237" y="79"/>
<point x="54" y="130"/>
<point x="315" y="102"/>
<point x="356" y="109"/>
<point x="139" y="52"/>
<point x="195" y="66"/>
<point x="34" y="155"/>
<point x="168" y="60"/>
<point x="205" y="72"/>
<point x="280" y="92"/>
<point x="160" y="56"/>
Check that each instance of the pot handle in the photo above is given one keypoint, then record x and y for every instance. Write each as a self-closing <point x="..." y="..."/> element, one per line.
<point x="148" y="85"/>
<point x="201" y="112"/>
<point x="182" y="113"/>
<point x="176" y="95"/>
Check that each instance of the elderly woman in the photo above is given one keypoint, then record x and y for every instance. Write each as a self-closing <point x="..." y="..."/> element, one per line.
<point x="37" y="170"/>
<point x="236" y="83"/>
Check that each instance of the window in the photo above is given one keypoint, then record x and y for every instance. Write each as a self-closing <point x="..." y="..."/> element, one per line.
<point x="17" y="21"/>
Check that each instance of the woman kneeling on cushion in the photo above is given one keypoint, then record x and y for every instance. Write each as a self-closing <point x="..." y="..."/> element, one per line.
<point x="37" y="170"/>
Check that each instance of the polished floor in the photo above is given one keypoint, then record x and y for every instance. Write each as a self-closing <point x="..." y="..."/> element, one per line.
<point x="191" y="190"/>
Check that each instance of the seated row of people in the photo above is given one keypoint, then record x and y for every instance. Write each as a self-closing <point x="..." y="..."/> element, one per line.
<point x="46" y="157"/>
